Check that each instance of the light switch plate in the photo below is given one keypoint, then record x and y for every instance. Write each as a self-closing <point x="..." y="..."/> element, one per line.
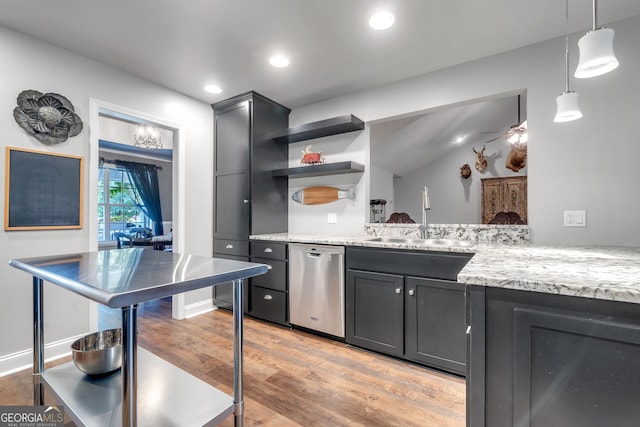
<point x="332" y="218"/>
<point x="575" y="218"/>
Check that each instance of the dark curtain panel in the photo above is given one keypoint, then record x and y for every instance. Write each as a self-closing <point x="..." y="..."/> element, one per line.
<point x="144" y="180"/>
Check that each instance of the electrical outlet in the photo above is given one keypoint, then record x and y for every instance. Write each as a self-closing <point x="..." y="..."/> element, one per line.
<point x="575" y="218"/>
<point x="332" y="218"/>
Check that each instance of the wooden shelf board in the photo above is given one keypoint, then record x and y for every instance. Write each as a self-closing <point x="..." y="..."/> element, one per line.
<point x="333" y="126"/>
<point x="320" y="170"/>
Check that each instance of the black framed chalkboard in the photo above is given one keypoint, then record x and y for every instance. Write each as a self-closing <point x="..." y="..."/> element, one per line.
<point x="43" y="191"/>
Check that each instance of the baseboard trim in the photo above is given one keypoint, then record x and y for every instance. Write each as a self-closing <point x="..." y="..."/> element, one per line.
<point x="200" y="307"/>
<point x="21" y="360"/>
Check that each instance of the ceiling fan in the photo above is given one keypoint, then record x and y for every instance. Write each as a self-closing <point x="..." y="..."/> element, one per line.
<point x="517" y="133"/>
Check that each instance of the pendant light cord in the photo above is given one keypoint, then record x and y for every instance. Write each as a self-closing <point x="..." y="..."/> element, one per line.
<point x="595" y="12"/>
<point x="566" y="45"/>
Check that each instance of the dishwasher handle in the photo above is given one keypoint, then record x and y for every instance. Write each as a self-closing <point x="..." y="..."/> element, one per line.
<point x="317" y="256"/>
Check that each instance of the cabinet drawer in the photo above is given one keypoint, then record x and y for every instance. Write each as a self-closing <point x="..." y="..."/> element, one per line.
<point x="275" y="278"/>
<point x="268" y="304"/>
<point x="231" y="247"/>
<point x="268" y="250"/>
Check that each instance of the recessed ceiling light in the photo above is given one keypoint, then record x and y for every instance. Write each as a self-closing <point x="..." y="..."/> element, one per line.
<point x="212" y="89"/>
<point x="381" y="20"/>
<point x="278" y="61"/>
<point x="459" y="139"/>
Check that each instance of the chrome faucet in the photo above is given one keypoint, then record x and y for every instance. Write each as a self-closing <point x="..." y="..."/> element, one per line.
<point x="426" y="205"/>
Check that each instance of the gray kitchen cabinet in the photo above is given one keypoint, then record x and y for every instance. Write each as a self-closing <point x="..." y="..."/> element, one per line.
<point x="544" y="360"/>
<point x="407" y="304"/>
<point x="247" y="198"/>
<point x="435" y="323"/>
<point x="223" y="294"/>
<point x="269" y="299"/>
<point x="374" y="311"/>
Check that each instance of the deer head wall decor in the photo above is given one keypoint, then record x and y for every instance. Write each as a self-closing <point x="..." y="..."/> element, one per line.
<point x="481" y="162"/>
<point x="517" y="158"/>
<point x="465" y="171"/>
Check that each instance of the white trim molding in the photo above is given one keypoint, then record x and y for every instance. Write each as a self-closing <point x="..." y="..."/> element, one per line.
<point x="198" y="308"/>
<point x="21" y="360"/>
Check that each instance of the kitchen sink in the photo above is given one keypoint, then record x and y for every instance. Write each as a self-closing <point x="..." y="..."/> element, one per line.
<point x="425" y="242"/>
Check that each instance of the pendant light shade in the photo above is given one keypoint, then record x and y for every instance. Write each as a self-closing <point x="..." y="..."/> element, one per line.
<point x="596" y="54"/>
<point x="568" y="107"/>
<point x="596" y="51"/>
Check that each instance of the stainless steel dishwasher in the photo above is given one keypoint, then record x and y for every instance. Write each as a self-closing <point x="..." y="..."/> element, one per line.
<point x="316" y="287"/>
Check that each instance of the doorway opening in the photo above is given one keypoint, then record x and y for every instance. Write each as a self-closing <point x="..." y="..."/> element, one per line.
<point x="112" y="140"/>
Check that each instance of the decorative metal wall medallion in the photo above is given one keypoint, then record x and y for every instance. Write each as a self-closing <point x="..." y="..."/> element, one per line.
<point x="49" y="117"/>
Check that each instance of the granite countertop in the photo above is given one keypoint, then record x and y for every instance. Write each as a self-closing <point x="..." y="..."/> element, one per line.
<point x="359" y="241"/>
<point x="608" y="273"/>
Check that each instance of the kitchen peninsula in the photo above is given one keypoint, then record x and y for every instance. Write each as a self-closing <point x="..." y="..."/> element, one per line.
<point x="553" y="332"/>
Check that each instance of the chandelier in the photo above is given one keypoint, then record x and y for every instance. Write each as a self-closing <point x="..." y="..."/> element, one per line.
<point x="148" y="137"/>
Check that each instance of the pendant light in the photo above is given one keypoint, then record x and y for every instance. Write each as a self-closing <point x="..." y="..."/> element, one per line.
<point x="568" y="108"/>
<point x="596" y="51"/>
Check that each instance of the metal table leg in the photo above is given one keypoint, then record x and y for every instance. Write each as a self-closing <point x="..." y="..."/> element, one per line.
<point x="129" y="370"/>
<point x="238" y="398"/>
<point x="38" y="342"/>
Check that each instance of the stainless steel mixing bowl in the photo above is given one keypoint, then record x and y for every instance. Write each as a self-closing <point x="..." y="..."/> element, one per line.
<point x="99" y="353"/>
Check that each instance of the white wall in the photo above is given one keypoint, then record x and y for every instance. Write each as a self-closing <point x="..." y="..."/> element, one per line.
<point x="312" y="219"/>
<point x="32" y="64"/>
<point x="122" y="132"/>
<point x="382" y="188"/>
<point x="589" y="164"/>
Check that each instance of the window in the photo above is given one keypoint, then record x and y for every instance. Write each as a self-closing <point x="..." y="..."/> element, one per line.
<point x="117" y="209"/>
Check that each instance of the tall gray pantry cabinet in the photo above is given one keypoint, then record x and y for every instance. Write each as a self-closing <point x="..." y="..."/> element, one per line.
<point x="247" y="198"/>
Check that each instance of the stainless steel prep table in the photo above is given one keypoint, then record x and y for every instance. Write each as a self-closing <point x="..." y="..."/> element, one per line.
<point x="123" y="278"/>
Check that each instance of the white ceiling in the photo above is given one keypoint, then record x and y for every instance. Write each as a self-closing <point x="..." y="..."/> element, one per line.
<point x="186" y="44"/>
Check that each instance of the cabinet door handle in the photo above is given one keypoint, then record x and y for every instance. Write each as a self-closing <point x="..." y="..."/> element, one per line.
<point x="245" y="201"/>
<point x="411" y="292"/>
<point x="229" y="246"/>
<point x="268" y="250"/>
<point x="268" y="297"/>
<point x="398" y="290"/>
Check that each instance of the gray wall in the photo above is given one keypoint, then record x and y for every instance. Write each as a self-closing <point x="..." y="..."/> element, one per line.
<point x="381" y="187"/>
<point x="589" y="164"/>
<point x="33" y="64"/>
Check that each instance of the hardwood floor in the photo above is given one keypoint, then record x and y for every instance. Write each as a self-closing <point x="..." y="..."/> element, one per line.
<point x="291" y="378"/>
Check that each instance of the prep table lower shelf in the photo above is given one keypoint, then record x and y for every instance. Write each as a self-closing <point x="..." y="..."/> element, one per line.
<point x="167" y="395"/>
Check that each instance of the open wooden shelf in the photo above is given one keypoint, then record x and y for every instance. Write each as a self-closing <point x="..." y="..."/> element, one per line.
<point x="333" y="126"/>
<point x="320" y="170"/>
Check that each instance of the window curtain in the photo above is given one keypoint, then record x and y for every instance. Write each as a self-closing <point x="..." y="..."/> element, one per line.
<point x="146" y="190"/>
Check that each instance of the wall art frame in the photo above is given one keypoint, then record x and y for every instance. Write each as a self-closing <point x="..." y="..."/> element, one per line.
<point x="43" y="190"/>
